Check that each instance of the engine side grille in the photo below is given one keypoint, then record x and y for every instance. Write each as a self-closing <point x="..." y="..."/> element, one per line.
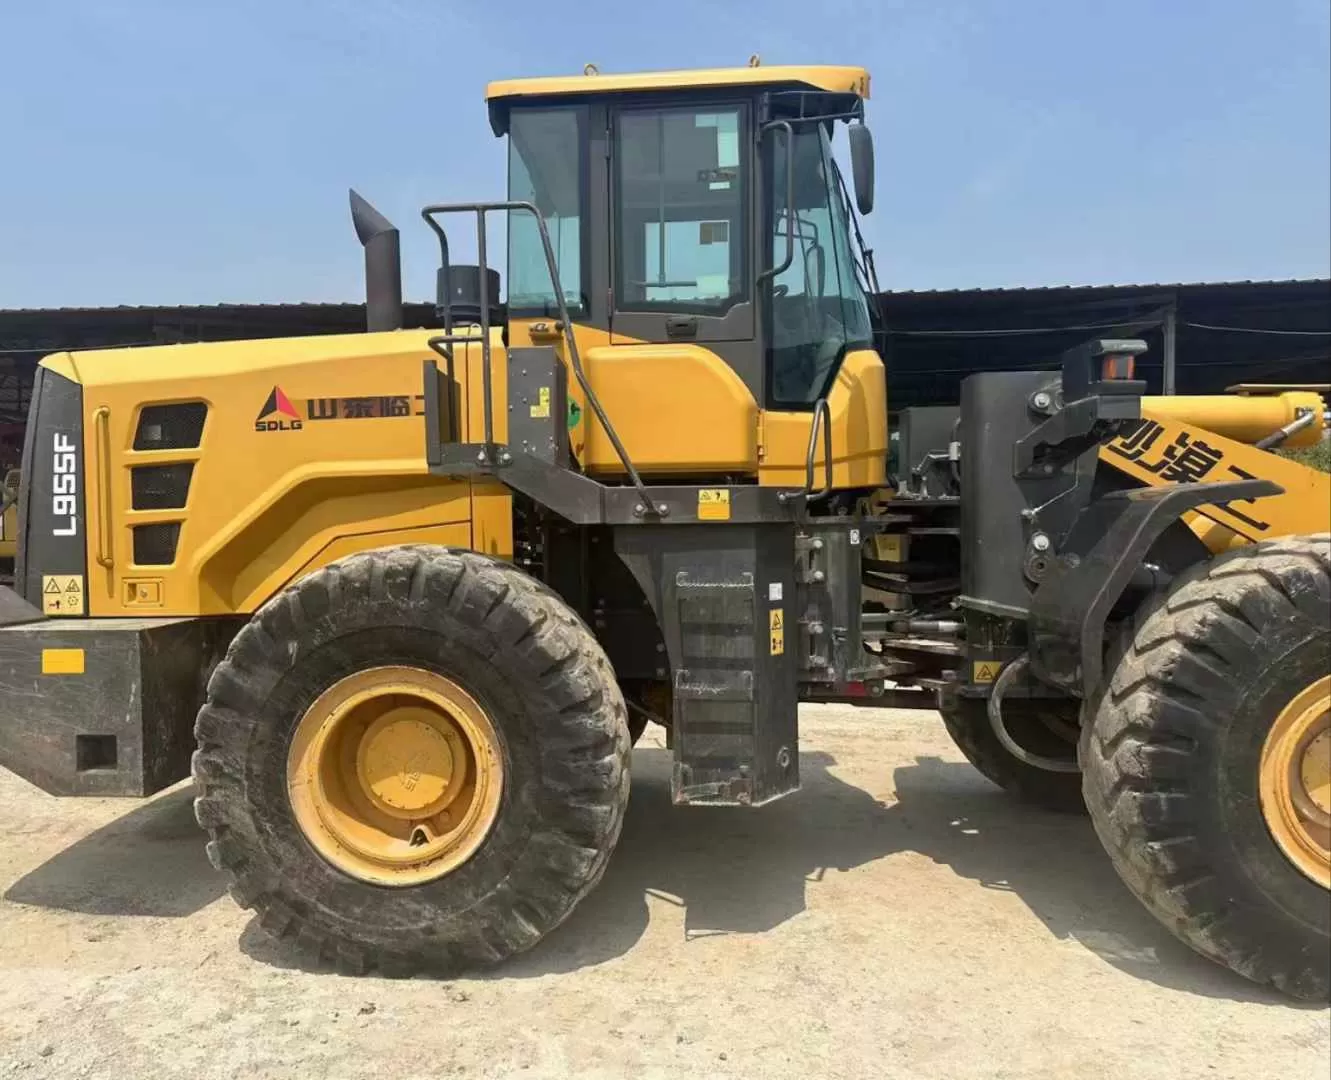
<point x="155" y="545"/>
<point x="178" y="426"/>
<point x="160" y="487"/>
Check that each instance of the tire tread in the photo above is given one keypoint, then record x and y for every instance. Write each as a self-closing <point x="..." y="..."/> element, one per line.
<point x="1145" y="812"/>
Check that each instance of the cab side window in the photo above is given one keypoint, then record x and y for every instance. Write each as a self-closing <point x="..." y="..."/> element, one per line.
<point x="546" y="167"/>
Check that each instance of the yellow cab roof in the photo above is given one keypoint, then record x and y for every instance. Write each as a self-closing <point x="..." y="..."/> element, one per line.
<point x="842" y="80"/>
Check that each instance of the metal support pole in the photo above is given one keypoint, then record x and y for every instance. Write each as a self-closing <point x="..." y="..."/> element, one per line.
<point x="1170" y="330"/>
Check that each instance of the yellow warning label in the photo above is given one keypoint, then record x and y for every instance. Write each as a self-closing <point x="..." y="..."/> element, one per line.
<point x="62" y="594"/>
<point x="985" y="670"/>
<point x="887" y="547"/>
<point x="62" y="661"/>
<point x="714" y="504"/>
<point x="776" y="625"/>
<point x="541" y="410"/>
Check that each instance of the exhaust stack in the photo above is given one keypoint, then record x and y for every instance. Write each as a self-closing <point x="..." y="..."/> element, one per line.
<point x="383" y="266"/>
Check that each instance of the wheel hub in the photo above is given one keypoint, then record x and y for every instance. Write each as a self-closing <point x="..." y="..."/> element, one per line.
<point x="405" y="762"/>
<point x="1296" y="781"/>
<point x="395" y="775"/>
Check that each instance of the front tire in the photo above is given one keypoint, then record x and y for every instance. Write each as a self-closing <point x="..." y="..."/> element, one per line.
<point x="474" y="774"/>
<point x="1189" y="740"/>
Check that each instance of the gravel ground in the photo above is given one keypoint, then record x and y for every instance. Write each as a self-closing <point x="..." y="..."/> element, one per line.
<point x="898" y="918"/>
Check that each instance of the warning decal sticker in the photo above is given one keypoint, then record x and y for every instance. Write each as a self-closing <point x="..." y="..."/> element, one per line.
<point x="985" y="670"/>
<point x="62" y="594"/>
<point x="714" y="504"/>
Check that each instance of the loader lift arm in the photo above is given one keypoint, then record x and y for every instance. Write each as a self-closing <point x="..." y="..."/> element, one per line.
<point x="1163" y="449"/>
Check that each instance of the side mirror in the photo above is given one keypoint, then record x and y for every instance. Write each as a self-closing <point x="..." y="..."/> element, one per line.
<point x="861" y="167"/>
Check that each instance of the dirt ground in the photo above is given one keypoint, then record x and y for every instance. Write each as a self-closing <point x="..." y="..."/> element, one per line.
<point x="899" y="917"/>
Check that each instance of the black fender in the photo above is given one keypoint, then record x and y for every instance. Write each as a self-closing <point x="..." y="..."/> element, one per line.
<point x="1104" y="549"/>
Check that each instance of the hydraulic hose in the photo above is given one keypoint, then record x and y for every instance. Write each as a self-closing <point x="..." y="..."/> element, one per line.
<point x="1005" y="679"/>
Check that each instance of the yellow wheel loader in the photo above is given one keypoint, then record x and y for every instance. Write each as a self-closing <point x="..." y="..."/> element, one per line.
<point x="404" y="598"/>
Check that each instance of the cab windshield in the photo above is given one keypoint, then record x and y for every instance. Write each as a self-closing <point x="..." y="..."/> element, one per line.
<point x="818" y="307"/>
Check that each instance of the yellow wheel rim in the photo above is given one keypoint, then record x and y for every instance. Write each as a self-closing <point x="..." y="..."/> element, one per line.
<point x="395" y="775"/>
<point x="1296" y="781"/>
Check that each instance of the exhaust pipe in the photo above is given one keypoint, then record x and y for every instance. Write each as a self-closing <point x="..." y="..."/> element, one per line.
<point x="383" y="266"/>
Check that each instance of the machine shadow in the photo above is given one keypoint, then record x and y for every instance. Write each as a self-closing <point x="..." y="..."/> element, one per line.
<point x="1056" y="866"/>
<point x="745" y="872"/>
<point x="731" y="872"/>
<point x="149" y="862"/>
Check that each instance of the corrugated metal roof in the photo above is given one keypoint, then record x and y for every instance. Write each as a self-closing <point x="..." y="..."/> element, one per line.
<point x="1018" y="290"/>
<point x="1163" y="286"/>
<point x="297" y="305"/>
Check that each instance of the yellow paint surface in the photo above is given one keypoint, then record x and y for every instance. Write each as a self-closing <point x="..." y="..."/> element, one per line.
<point x="1164" y="451"/>
<point x="338" y="467"/>
<point x="858" y="404"/>
<point x="851" y="80"/>
<point x="678" y="409"/>
<point x="62" y="661"/>
<point x="1244" y="419"/>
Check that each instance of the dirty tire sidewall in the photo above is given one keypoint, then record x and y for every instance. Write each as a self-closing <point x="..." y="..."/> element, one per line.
<point x="529" y="662"/>
<point x="1172" y="759"/>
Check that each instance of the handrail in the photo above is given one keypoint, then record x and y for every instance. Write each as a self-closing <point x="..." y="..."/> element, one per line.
<point x="773" y="271"/>
<point x="552" y="264"/>
<point x="822" y="418"/>
<point x="105" y="533"/>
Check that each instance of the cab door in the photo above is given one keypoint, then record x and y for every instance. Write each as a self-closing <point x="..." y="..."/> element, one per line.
<point x="681" y="376"/>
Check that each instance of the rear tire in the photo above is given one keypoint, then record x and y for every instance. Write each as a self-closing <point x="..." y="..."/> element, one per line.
<point x="1035" y="724"/>
<point x="1174" y="752"/>
<point x="563" y="751"/>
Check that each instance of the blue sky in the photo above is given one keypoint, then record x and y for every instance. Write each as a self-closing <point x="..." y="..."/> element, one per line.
<point x="155" y="151"/>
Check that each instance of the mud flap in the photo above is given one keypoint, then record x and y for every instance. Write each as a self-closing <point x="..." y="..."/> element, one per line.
<point x="722" y="597"/>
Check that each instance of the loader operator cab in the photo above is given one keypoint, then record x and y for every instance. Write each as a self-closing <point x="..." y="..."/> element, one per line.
<point x="696" y="211"/>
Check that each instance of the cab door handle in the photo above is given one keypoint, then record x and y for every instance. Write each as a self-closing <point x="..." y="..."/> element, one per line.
<point x="681" y="327"/>
<point x="546" y="331"/>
